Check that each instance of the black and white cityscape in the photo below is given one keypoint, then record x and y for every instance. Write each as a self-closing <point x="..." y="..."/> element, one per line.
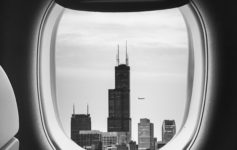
<point x="118" y="135"/>
<point x="121" y="78"/>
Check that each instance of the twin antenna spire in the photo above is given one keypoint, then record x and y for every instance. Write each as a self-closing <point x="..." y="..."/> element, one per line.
<point x="126" y="55"/>
<point x="73" y="109"/>
<point x="87" y="109"/>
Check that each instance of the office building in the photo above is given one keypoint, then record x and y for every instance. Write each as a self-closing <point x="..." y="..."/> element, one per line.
<point x="79" y="122"/>
<point x="109" y="139"/>
<point x="119" y="101"/>
<point x="90" y="139"/>
<point x="145" y="135"/>
<point x="168" y="130"/>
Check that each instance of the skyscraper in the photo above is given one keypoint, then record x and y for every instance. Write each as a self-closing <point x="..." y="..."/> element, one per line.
<point x="79" y="122"/>
<point x="168" y="130"/>
<point x="119" y="100"/>
<point x="145" y="135"/>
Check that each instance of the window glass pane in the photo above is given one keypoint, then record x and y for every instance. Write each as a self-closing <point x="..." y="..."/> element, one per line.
<point x="124" y="73"/>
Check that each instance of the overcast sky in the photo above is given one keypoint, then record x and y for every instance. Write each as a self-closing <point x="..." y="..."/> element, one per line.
<point x="86" y="50"/>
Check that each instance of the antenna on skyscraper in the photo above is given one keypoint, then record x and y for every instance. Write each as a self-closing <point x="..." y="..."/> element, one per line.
<point x="126" y="53"/>
<point x="87" y="109"/>
<point x="73" y="109"/>
<point x="118" y="56"/>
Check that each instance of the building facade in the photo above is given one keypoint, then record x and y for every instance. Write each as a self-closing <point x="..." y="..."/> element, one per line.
<point x="168" y="130"/>
<point x="119" y="101"/>
<point x="90" y="139"/>
<point x="145" y="135"/>
<point x="109" y="139"/>
<point x="79" y="122"/>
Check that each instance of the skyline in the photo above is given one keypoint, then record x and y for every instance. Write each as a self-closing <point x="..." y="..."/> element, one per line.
<point x="87" y="47"/>
<point x="168" y="129"/>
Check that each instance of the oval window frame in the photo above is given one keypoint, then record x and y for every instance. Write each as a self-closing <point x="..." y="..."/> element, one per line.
<point x="197" y="79"/>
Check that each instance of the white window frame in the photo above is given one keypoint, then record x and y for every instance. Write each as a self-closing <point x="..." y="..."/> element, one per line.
<point x="197" y="77"/>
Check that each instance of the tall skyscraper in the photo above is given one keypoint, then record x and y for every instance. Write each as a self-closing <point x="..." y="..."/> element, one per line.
<point x="119" y="100"/>
<point x="79" y="122"/>
<point x="145" y="135"/>
<point x="168" y="130"/>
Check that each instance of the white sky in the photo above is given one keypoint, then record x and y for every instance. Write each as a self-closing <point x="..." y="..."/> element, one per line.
<point x="86" y="50"/>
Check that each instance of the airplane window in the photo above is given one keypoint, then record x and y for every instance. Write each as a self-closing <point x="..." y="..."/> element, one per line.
<point x="121" y="77"/>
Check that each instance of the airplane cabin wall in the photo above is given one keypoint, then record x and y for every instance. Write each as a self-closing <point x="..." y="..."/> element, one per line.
<point x="19" y="28"/>
<point x="219" y="124"/>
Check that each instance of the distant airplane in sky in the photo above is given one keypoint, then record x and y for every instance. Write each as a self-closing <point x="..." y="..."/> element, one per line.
<point x="141" y="98"/>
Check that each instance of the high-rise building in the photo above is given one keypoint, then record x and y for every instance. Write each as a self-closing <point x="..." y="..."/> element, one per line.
<point x="119" y="100"/>
<point x="90" y="139"/>
<point x="168" y="130"/>
<point x="145" y="135"/>
<point x="79" y="122"/>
